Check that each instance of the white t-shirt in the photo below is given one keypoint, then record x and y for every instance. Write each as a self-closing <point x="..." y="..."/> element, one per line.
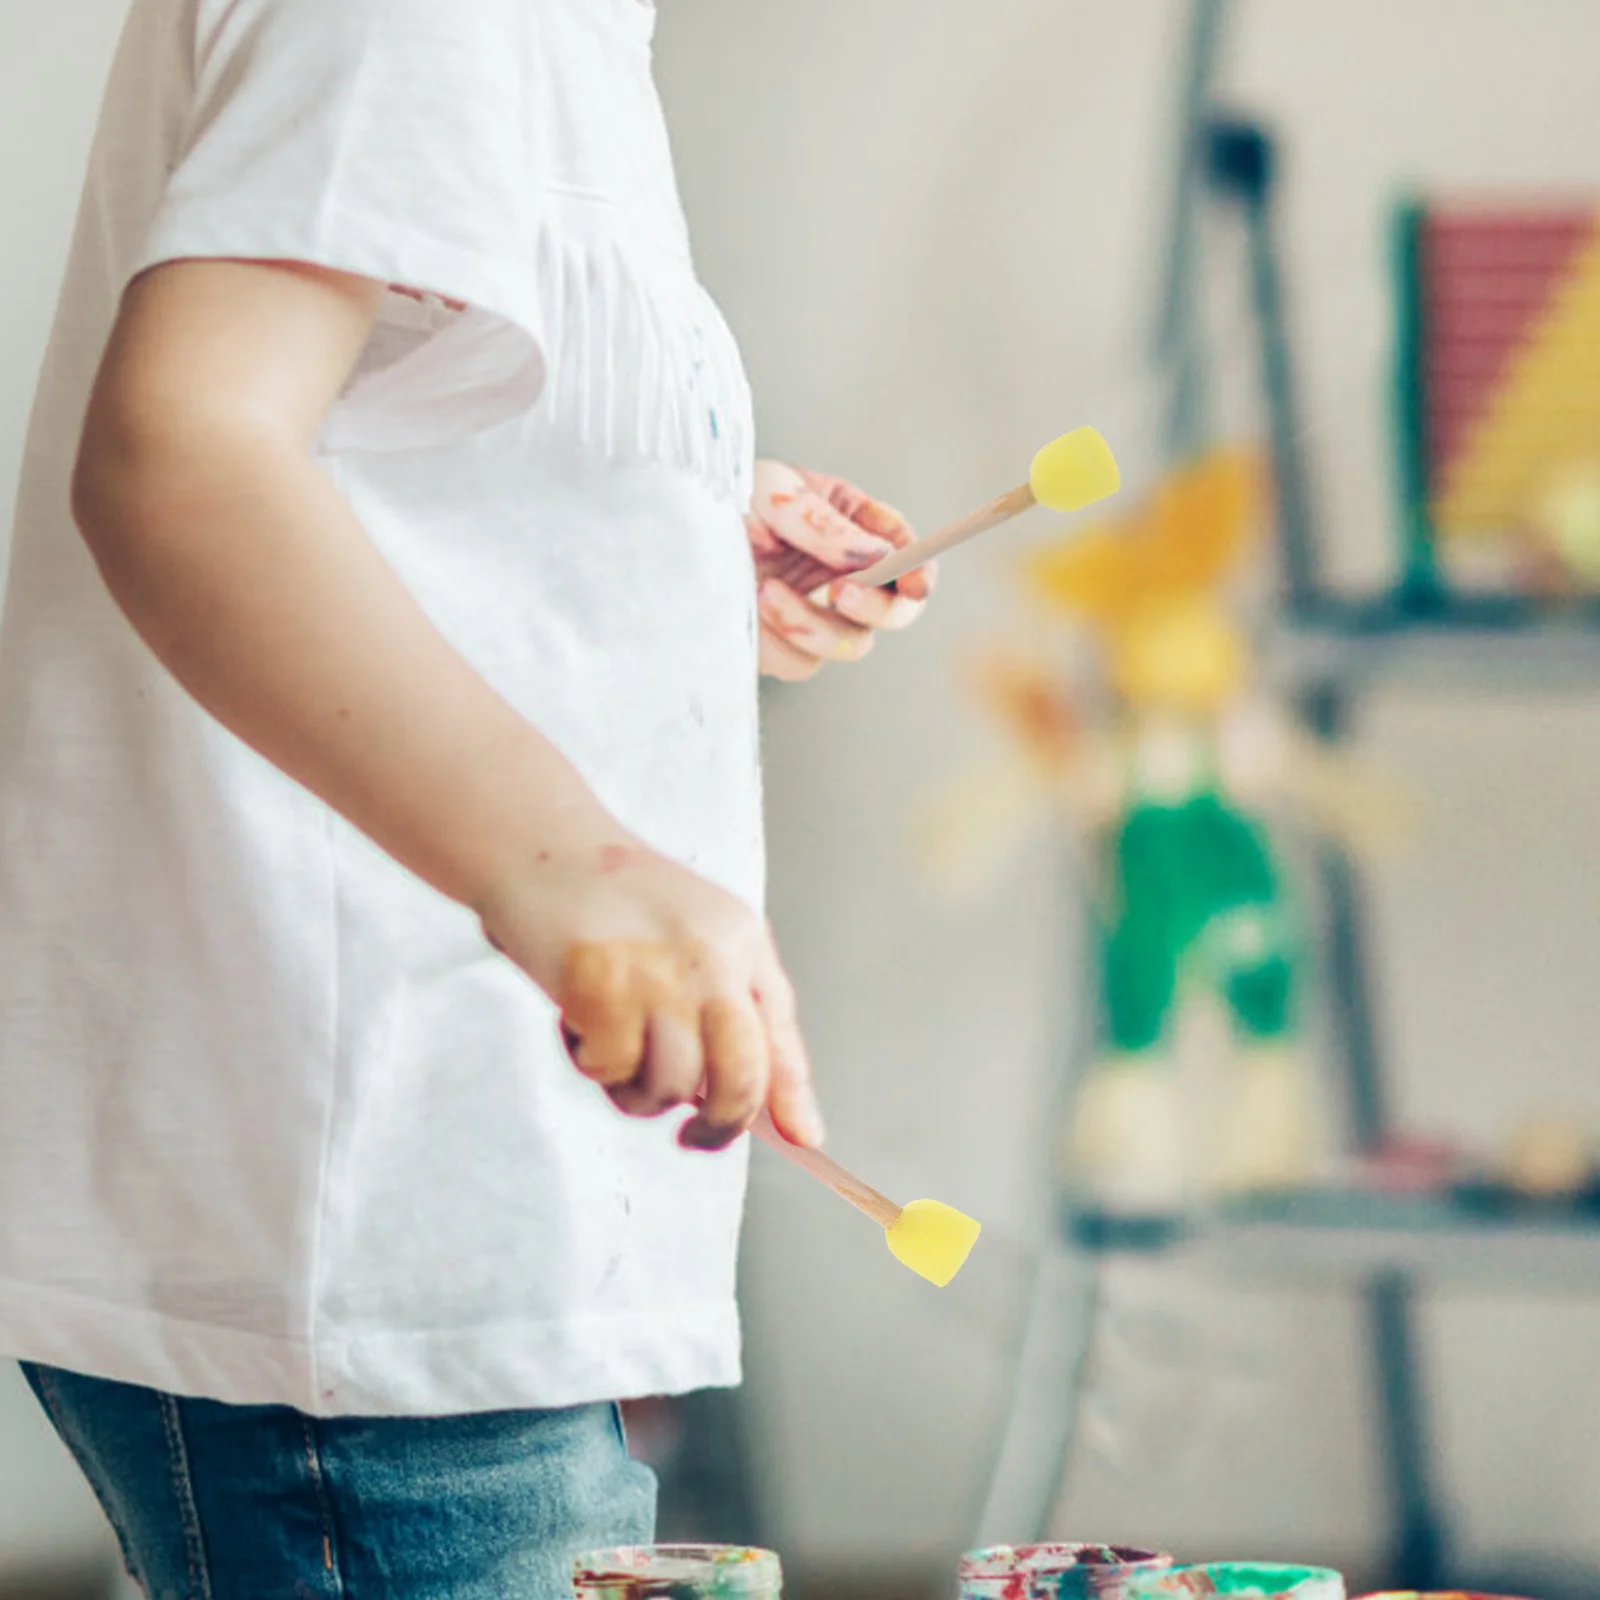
<point x="276" y="1125"/>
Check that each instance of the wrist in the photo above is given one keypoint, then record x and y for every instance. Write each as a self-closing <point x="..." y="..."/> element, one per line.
<point x="540" y="817"/>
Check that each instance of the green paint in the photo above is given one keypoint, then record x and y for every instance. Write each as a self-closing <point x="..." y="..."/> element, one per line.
<point x="1254" y="1580"/>
<point x="1248" y="1580"/>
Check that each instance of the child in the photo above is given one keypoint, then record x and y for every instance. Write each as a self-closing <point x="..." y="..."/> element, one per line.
<point x="396" y="424"/>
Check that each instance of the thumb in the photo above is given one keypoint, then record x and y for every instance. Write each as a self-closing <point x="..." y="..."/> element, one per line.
<point x="791" y="1098"/>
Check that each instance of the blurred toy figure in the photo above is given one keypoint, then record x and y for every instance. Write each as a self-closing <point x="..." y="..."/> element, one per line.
<point x="1172" y="786"/>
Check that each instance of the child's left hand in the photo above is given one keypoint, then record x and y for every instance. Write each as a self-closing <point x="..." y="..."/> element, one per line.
<point x="846" y="530"/>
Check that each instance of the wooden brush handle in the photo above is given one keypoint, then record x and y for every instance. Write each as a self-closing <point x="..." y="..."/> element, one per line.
<point x="805" y="574"/>
<point x="1011" y="504"/>
<point x="826" y="1170"/>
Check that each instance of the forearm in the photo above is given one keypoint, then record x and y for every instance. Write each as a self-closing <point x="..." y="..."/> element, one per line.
<point x="250" y="577"/>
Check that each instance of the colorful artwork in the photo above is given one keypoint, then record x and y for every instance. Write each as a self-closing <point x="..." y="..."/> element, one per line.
<point x="1500" y="395"/>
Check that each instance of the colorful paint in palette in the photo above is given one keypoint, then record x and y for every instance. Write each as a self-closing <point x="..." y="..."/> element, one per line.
<point x="1054" y="1571"/>
<point x="678" y="1572"/>
<point x="1247" y="1580"/>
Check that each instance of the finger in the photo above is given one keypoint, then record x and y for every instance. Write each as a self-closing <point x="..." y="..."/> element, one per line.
<point x="809" y="629"/>
<point x="876" y="516"/>
<point x="784" y="662"/>
<point x="601" y="1015"/>
<point x="887" y="610"/>
<point x="737" y="1071"/>
<point x="914" y="586"/>
<point x="859" y="602"/>
<point x="671" y="1072"/>
<point x="790" y="1096"/>
<point x="611" y="1052"/>
<point x="882" y="519"/>
<point x="919" y="583"/>
<point x="763" y="540"/>
<point x="807" y="522"/>
<point x="772" y="478"/>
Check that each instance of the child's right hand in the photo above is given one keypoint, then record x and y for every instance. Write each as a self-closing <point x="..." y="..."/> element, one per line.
<point x="669" y="988"/>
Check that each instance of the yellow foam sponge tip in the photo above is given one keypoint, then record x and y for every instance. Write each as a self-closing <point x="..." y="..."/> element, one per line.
<point x="1074" y="471"/>
<point x="933" y="1239"/>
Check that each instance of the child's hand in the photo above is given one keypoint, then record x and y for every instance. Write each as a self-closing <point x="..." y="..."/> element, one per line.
<point x="669" y="988"/>
<point x="844" y="530"/>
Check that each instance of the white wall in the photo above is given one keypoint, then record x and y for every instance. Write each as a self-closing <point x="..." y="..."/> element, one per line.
<point x="933" y="225"/>
<point x="932" y="222"/>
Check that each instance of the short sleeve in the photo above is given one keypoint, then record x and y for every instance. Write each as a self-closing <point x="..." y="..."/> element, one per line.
<point x="387" y="138"/>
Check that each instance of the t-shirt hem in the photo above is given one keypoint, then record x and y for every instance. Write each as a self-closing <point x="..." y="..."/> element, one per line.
<point x="506" y="1365"/>
<point x="345" y="241"/>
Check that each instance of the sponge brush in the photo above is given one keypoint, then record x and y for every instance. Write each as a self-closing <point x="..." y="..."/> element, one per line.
<point x="1074" y="471"/>
<point x="933" y="1239"/>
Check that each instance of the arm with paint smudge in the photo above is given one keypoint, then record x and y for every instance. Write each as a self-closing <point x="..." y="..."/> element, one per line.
<point x="248" y="574"/>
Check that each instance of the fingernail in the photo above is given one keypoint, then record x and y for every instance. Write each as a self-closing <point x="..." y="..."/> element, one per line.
<point x="866" y="552"/>
<point x="809" y="1124"/>
<point x="850" y="594"/>
<point x="883" y="518"/>
<point x="698" y="1135"/>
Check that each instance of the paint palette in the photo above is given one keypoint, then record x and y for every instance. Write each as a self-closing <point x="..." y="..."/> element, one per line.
<point x="1247" y="1580"/>
<point x="678" y="1572"/>
<point x="1055" y="1571"/>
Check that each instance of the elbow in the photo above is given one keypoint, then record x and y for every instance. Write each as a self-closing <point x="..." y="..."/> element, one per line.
<point x="90" y="495"/>
<point x="152" y="484"/>
<point x="110" y="487"/>
<point x="136" y="485"/>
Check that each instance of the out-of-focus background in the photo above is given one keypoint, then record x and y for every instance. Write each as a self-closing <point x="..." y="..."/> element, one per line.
<point x="941" y="230"/>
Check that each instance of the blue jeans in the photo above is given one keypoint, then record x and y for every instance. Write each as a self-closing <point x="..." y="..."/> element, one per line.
<point x="220" y="1502"/>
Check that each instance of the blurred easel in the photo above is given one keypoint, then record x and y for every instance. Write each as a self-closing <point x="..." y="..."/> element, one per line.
<point x="1332" y="650"/>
